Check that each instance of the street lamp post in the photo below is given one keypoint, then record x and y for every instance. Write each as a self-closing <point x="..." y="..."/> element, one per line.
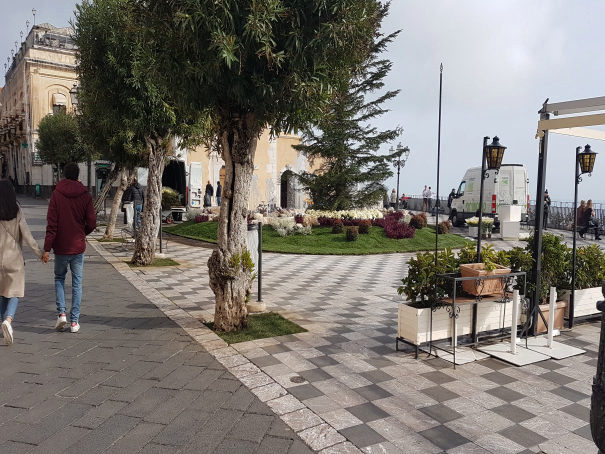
<point x="584" y="164"/>
<point x="492" y="158"/>
<point x="402" y="156"/>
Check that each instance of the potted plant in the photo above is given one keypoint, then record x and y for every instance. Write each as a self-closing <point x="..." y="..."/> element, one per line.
<point x="487" y="225"/>
<point x="590" y="272"/>
<point x="422" y="288"/>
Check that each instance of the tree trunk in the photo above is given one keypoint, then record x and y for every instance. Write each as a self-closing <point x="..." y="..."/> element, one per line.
<point x="125" y="179"/>
<point x="144" y="249"/>
<point x="114" y="174"/>
<point x="229" y="266"/>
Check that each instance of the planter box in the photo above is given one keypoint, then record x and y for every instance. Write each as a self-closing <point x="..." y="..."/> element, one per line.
<point x="488" y="286"/>
<point x="473" y="231"/>
<point x="413" y="324"/>
<point x="585" y="301"/>
<point x="559" y="313"/>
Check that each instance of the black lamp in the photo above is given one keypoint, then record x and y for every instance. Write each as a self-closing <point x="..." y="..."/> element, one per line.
<point x="492" y="156"/>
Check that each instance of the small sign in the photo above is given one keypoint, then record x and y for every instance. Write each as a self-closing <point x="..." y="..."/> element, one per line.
<point x="24" y="145"/>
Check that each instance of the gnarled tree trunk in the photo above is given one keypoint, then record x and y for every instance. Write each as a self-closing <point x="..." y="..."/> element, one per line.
<point x="144" y="249"/>
<point x="125" y="179"/>
<point x="229" y="265"/>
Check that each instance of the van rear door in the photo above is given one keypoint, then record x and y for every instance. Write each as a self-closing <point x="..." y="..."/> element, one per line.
<point x="195" y="185"/>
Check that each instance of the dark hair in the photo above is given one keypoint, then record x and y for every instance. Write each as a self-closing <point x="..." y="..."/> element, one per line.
<point x="71" y="171"/>
<point x="8" y="201"/>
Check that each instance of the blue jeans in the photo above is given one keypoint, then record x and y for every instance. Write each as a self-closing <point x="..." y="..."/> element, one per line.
<point x="8" y="307"/>
<point x="136" y="220"/>
<point x="218" y="201"/>
<point x="76" y="264"/>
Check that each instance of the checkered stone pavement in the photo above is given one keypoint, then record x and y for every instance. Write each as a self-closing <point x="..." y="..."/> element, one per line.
<point x="342" y="386"/>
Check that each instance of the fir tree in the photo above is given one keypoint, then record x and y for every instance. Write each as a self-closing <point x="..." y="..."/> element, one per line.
<point x="344" y="143"/>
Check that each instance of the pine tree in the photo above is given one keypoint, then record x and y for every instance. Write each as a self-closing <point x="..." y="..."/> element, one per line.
<point x="345" y="144"/>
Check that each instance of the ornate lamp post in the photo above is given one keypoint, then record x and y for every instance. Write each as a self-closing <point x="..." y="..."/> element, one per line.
<point x="403" y="153"/>
<point x="492" y="157"/>
<point x="584" y="164"/>
<point x="74" y="96"/>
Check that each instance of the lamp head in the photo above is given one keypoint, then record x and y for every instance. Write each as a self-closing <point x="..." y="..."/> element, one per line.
<point x="586" y="159"/>
<point x="494" y="153"/>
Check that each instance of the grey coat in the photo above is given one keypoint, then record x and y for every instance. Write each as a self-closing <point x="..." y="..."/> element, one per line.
<point x="12" y="271"/>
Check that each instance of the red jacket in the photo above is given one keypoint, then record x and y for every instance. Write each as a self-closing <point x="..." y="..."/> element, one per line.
<point x="71" y="216"/>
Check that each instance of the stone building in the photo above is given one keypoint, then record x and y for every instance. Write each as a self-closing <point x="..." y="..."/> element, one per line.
<point x="38" y="82"/>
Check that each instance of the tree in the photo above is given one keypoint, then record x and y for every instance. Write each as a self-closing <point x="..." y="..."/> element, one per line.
<point x="59" y="140"/>
<point x="250" y="64"/>
<point x="351" y="171"/>
<point x="132" y="113"/>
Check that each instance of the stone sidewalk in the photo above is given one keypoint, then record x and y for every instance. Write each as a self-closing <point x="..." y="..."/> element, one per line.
<point x="341" y="386"/>
<point x="132" y="380"/>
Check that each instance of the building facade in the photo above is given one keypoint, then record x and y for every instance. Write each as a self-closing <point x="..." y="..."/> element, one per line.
<point x="37" y="83"/>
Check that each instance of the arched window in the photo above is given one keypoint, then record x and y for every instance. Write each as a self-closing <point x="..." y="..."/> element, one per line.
<point x="59" y="102"/>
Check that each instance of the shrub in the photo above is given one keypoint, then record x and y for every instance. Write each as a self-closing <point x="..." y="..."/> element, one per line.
<point x="418" y="221"/>
<point x="444" y="227"/>
<point x="364" y="226"/>
<point x="337" y="226"/>
<point x="201" y="218"/>
<point x="352" y="233"/>
<point x="299" y="218"/>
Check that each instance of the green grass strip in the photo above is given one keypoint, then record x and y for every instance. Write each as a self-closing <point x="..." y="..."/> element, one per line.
<point x="323" y="242"/>
<point x="260" y="326"/>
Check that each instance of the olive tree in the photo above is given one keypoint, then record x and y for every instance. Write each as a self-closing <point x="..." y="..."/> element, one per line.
<point x="249" y="65"/>
<point x="117" y="96"/>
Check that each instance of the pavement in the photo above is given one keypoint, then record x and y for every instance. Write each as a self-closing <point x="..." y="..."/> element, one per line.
<point x="145" y="375"/>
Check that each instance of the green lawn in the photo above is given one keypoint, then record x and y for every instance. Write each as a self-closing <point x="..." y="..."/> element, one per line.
<point x="260" y="326"/>
<point x="323" y="242"/>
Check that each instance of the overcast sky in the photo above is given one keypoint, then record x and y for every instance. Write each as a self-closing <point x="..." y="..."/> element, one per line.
<point x="501" y="60"/>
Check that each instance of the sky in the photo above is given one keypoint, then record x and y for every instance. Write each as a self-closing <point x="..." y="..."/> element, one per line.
<point x="501" y="60"/>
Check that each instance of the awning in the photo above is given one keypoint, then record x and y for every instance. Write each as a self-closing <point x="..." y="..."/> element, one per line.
<point x="59" y="99"/>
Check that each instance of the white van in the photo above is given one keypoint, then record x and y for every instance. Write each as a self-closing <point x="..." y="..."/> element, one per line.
<point x="508" y="186"/>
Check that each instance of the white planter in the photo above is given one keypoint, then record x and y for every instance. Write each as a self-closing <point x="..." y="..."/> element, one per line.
<point x="414" y="324"/>
<point x="585" y="301"/>
<point x="473" y="231"/>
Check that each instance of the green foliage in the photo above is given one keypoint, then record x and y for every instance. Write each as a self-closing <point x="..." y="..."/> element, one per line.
<point x="555" y="264"/>
<point x="421" y="281"/>
<point x="590" y="267"/>
<point x="170" y="198"/>
<point x="59" y="139"/>
<point x="352" y="233"/>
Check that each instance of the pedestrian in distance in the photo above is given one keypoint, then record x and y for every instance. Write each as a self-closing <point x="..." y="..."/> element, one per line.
<point x="546" y="209"/>
<point x="425" y="199"/>
<point x="430" y="195"/>
<point x="136" y="195"/>
<point x="13" y="233"/>
<point x="70" y="217"/>
<point x="393" y="199"/>
<point x="219" y="193"/>
<point x="208" y="193"/>
<point x="590" y="221"/>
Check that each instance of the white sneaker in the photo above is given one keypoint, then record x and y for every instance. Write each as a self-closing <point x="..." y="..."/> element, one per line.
<point x="61" y="322"/>
<point x="75" y="327"/>
<point x="7" y="330"/>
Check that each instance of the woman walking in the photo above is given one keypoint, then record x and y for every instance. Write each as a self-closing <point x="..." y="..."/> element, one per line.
<point x="13" y="231"/>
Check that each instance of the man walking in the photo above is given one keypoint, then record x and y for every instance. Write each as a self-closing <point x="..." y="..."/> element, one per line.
<point x="425" y="198"/>
<point x="219" y="193"/>
<point x="70" y="217"/>
<point x="136" y="195"/>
